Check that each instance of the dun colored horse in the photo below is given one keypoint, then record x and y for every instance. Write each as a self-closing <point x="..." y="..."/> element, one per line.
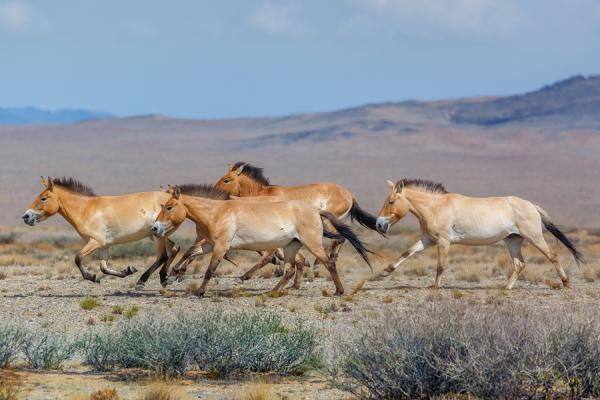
<point x="245" y="180"/>
<point x="257" y="226"/>
<point x="447" y="218"/>
<point x="104" y="221"/>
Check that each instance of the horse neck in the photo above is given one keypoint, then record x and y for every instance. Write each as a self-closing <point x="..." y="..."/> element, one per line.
<point x="421" y="203"/>
<point x="201" y="211"/>
<point x="250" y="187"/>
<point x="73" y="207"/>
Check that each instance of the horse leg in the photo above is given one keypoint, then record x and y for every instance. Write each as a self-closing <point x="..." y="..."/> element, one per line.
<point x="172" y="250"/>
<point x="539" y="243"/>
<point x="264" y="260"/>
<point x="514" y="243"/>
<point x="91" y="246"/>
<point x="108" y="271"/>
<point x="315" y="246"/>
<point x="299" y="262"/>
<point x="443" y="245"/>
<point x="289" y="256"/>
<point x="334" y="248"/>
<point x="218" y="253"/>
<point x="200" y="246"/>
<point x="418" y="247"/>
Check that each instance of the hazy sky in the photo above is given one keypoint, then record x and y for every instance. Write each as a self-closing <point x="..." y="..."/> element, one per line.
<point x="209" y="59"/>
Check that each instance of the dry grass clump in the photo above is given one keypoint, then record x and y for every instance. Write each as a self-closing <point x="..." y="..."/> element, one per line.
<point x="10" y="387"/>
<point x="161" y="391"/>
<point x="3" y="275"/>
<point x="387" y="299"/>
<point x="89" y="303"/>
<point x="591" y="274"/>
<point x="105" y="394"/>
<point x="254" y="391"/>
<point x="468" y="273"/>
<point x="416" y="270"/>
<point x="359" y="285"/>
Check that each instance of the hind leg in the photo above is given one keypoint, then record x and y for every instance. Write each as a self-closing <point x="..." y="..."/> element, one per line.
<point x="315" y="247"/>
<point x="266" y="258"/>
<point x="289" y="256"/>
<point x="514" y="244"/>
<point x="540" y="243"/>
<point x="109" y="271"/>
<point x="299" y="261"/>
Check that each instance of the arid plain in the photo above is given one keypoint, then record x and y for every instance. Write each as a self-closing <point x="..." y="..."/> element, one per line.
<point x="547" y="155"/>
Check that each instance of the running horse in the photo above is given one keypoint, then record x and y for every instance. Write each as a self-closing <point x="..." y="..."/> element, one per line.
<point x="447" y="218"/>
<point x="222" y="225"/>
<point x="245" y="180"/>
<point x="104" y="221"/>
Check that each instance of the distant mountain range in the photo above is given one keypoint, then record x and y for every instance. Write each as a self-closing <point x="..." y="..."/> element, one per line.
<point x="32" y="115"/>
<point x="541" y="145"/>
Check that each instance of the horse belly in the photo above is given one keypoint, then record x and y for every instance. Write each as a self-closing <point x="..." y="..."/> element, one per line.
<point x="481" y="234"/>
<point x="260" y="240"/>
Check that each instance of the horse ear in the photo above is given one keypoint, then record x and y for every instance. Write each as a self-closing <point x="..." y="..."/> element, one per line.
<point x="50" y="185"/>
<point x="229" y="167"/>
<point x="391" y="184"/>
<point x="399" y="186"/>
<point x="240" y="169"/>
<point x="44" y="182"/>
<point x="177" y="192"/>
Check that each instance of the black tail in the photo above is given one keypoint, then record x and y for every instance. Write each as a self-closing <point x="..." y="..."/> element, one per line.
<point x="554" y="230"/>
<point x="363" y="217"/>
<point x="345" y="232"/>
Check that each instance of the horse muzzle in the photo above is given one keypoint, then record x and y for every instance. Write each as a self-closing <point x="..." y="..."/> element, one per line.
<point x="382" y="225"/>
<point x="159" y="229"/>
<point x="30" y="217"/>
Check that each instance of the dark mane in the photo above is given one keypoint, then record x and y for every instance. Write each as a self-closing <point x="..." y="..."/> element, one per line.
<point x="252" y="172"/>
<point x="74" y="185"/>
<point x="203" y="190"/>
<point x="429" y="186"/>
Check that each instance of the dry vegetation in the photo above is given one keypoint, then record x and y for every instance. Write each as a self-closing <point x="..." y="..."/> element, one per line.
<point x="91" y="332"/>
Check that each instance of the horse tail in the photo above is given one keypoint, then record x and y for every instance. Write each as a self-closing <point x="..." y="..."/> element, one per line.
<point x="345" y="232"/>
<point x="558" y="234"/>
<point x="363" y="217"/>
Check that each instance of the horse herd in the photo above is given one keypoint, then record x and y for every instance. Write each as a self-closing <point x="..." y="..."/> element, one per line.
<point x="243" y="211"/>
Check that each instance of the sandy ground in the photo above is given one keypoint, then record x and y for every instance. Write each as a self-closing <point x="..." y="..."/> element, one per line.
<point x="49" y="293"/>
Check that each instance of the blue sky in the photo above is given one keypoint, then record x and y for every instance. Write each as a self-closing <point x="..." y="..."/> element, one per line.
<point x="213" y="59"/>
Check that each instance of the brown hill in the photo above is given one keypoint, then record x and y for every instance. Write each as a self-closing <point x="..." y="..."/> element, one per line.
<point x="543" y="146"/>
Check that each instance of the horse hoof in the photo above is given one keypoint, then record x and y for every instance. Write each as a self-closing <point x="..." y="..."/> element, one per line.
<point x="130" y="270"/>
<point x="140" y="285"/>
<point x="164" y="282"/>
<point x="338" y="293"/>
<point x="169" y="281"/>
<point x="238" y="281"/>
<point x="93" y="278"/>
<point x="199" y="294"/>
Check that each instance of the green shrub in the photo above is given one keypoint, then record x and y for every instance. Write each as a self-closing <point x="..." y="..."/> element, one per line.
<point x="487" y="352"/>
<point x="11" y="342"/>
<point x="101" y="350"/>
<point x="44" y="349"/>
<point x="226" y="343"/>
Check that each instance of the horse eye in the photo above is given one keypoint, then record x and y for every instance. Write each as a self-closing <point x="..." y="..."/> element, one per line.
<point x="169" y="208"/>
<point x="391" y="202"/>
<point x="43" y="199"/>
<point x="226" y="181"/>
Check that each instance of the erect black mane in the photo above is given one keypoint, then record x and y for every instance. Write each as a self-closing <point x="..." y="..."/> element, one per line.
<point x="252" y="172"/>
<point x="203" y="190"/>
<point x="424" y="184"/>
<point x="74" y="185"/>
